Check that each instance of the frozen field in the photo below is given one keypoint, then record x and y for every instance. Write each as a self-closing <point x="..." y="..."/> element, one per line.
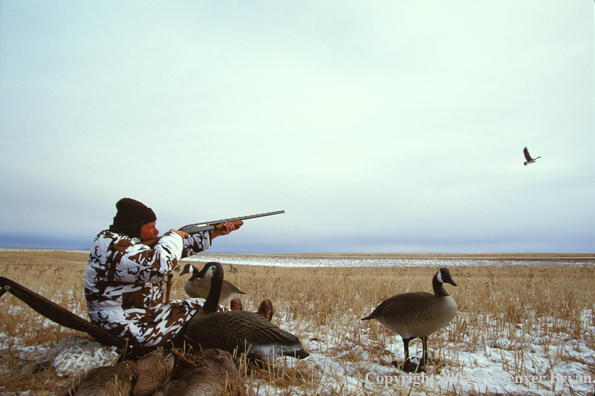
<point x="537" y="359"/>
<point x="325" y="260"/>
<point x="475" y="355"/>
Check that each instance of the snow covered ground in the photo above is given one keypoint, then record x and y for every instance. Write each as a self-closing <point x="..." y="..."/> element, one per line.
<point x="491" y="369"/>
<point x="544" y="359"/>
<point x="377" y="261"/>
<point x="532" y="365"/>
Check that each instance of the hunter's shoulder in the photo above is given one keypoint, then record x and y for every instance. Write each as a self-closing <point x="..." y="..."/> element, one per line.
<point x="109" y="238"/>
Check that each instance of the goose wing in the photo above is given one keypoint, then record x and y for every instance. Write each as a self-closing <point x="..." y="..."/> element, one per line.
<point x="238" y="329"/>
<point x="407" y="308"/>
<point x="197" y="287"/>
<point x="415" y="314"/>
<point x="232" y="287"/>
<point x="527" y="155"/>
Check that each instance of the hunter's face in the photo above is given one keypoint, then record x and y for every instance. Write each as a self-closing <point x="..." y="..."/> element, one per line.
<point x="148" y="231"/>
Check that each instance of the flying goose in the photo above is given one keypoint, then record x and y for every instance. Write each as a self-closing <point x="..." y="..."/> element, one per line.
<point x="418" y="314"/>
<point x="197" y="286"/>
<point x="528" y="157"/>
<point x="237" y="330"/>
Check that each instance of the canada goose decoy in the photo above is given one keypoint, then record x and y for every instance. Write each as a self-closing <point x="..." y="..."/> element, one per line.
<point x="154" y="371"/>
<point x="140" y="378"/>
<point x="97" y="380"/>
<point x="528" y="157"/>
<point x="265" y="310"/>
<point x="246" y="332"/>
<point x="199" y="285"/>
<point x="233" y="269"/>
<point x="418" y="314"/>
<point x="217" y="374"/>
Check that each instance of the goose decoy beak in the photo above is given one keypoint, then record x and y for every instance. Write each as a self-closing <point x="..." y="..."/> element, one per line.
<point x="187" y="269"/>
<point x="445" y="277"/>
<point x="209" y="270"/>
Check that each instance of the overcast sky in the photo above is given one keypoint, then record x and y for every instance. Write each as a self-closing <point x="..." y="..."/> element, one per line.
<point x="378" y="126"/>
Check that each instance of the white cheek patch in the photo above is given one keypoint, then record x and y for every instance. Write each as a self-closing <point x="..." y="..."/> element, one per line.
<point x="210" y="272"/>
<point x="440" y="276"/>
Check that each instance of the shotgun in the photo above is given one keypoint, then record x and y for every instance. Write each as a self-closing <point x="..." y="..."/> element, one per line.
<point x="214" y="225"/>
<point x="207" y="226"/>
<point x="217" y="224"/>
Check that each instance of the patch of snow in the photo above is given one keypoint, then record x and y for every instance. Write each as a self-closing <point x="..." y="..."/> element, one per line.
<point x="533" y="358"/>
<point x="319" y="261"/>
<point x="69" y="357"/>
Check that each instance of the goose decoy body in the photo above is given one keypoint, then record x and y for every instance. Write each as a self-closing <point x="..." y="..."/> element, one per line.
<point x="97" y="380"/>
<point x="154" y="371"/>
<point x="418" y="314"/>
<point x="199" y="285"/>
<point x="233" y="269"/>
<point x="141" y="378"/>
<point x="241" y="331"/>
<point x="218" y="374"/>
<point x="528" y="158"/>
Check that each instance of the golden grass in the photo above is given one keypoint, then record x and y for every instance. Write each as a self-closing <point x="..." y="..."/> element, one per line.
<point x="500" y="309"/>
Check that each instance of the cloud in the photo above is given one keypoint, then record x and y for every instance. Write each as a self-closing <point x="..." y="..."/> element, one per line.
<point x="383" y="126"/>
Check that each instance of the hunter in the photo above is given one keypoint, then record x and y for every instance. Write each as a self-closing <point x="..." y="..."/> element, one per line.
<point x="124" y="280"/>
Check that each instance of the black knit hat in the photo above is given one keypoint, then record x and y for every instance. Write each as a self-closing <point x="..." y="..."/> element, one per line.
<point x="131" y="215"/>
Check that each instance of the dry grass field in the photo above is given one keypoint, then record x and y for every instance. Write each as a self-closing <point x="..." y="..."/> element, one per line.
<point x="507" y="315"/>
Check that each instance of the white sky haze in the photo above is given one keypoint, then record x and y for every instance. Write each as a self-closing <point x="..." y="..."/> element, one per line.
<point x="379" y="127"/>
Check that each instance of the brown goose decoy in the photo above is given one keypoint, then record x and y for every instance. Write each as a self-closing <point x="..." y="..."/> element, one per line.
<point x="528" y="158"/>
<point x="418" y="314"/>
<point x="140" y="378"/>
<point x="246" y="332"/>
<point x="97" y="380"/>
<point x="154" y="371"/>
<point x="218" y="375"/>
<point x="199" y="285"/>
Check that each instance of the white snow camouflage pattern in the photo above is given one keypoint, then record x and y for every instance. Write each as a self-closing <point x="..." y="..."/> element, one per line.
<point x="125" y="281"/>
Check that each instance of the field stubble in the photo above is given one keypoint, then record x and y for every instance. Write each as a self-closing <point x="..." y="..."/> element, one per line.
<point x="504" y="314"/>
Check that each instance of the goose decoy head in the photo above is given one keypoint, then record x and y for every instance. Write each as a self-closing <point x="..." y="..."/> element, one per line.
<point x="188" y="269"/>
<point x="443" y="276"/>
<point x="210" y="269"/>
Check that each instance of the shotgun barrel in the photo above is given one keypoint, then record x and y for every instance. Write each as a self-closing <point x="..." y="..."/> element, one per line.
<point x="211" y="225"/>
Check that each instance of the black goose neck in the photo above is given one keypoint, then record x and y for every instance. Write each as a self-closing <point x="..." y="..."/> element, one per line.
<point x="439" y="290"/>
<point x="193" y="274"/>
<point x="212" y="301"/>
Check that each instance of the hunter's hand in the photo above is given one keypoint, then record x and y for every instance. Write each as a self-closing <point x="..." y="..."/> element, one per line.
<point x="183" y="234"/>
<point x="225" y="228"/>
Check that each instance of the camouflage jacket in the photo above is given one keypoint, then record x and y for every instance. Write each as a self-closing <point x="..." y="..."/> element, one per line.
<point x="124" y="286"/>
